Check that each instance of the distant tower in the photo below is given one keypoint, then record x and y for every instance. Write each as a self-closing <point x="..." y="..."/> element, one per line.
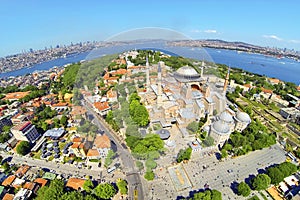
<point x="226" y="81"/>
<point x="202" y="66"/>
<point x="147" y="75"/>
<point x="159" y="88"/>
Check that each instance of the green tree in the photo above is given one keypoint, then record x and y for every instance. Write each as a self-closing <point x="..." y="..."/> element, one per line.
<point x="109" y="158"/>
<point x="261" y="182"/>
<point x="88" y="186"/>
<point x="193" y="127"/>
<point x="184" y="154"/>
<point x="105" y="191"/>
<point x="224" y="153"/>
<point x="4" y="137"/>
<point x="139" y="165"/>
<point x="151" y="164"/>
<point x="6" y="129"/>
<point x="122" y="186"/>
<point x="23" y="148"/>
<point x="216" y="195"/>
<point x="243" y="189"/>
<point x="74" y="195"/>
<point x="64" y="121"/>
<point x="275" y="174"/>
<point x="149" y="175"/>
<point x="54" y="191"/>
<point x="209" y="141"/>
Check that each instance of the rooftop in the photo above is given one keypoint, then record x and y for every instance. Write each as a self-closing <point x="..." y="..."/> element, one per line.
<point x="8" y="196"/>
<point x="102" y="141"/>
<point x="75" y="183"/>
<point x="41" y="181"/>
<point x="101" y="105"/>
<point x="92" y="152"/>
<point x="55" y="132"/>
<point x="15" y="95"/>
<point x="8" y="181"/>
<point x="22" y="170"/>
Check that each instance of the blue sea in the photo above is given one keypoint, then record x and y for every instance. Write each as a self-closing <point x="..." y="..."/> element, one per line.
<point x="283" y="69"/>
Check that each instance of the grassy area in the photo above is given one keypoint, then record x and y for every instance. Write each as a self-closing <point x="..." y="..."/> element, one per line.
<point x="50" y="158"/>
<point x="37" y="155"/>
<point x="94" y="160"/>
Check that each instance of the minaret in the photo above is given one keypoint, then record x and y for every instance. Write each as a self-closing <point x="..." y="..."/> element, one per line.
<point x="147" y="75"/>
<point x="226" y="81"/>
<point x="159" y="88"/>
<point x="202" y="66"/>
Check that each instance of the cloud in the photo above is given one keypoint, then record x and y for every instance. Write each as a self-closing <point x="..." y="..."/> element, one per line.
<point x="210" y="31"/>
<point x="273" y="37"/>
<point x="295" y="41"/>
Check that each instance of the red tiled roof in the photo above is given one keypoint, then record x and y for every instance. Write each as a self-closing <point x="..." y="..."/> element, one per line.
<point x="22" y="170"/>
<point x="92" y="152"/>
<point x="101" y="105"/>
<point x="9" y="180"/>
<point x="8" y="196"/>
<point x="102" y="141"/>
<point x="75" y="183"/>
<point x="41" y="181"/>
<point x="15" y="95"/>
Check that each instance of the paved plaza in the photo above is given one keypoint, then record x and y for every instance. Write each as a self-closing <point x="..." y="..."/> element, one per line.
<point x="207" y="170"/>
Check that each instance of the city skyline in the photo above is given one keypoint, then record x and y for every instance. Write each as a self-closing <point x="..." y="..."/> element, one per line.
<point x="43" y="24"/>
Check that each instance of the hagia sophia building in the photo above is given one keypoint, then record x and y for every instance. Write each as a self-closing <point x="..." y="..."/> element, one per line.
<point x="184" y="96"/>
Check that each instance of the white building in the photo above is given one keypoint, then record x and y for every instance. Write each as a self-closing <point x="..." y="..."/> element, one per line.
<point x="25" y="132"/>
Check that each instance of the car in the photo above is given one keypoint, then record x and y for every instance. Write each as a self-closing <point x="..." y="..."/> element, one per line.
<point x="230" y="171"/>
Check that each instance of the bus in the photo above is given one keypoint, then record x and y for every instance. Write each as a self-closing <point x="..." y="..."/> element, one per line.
<point x="110" y="170"/>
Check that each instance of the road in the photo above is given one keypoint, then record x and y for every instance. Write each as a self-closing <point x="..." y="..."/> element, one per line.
<point x="59" y="168"/>
<point x="133" y="178"/>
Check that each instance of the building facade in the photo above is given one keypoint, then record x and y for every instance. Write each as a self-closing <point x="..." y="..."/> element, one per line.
<point x="25" y="132"/>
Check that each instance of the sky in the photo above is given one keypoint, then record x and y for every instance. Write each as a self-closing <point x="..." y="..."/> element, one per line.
<point x="38" y="24"/>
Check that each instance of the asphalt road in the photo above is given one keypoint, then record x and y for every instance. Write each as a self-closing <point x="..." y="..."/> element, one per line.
<point x="134" y="180"/>
<point x="59" y="168"/>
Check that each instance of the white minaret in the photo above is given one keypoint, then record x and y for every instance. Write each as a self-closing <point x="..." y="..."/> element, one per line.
<point x="202" y="66"/>
<point x="159" y="88"/>
<point x="147" y="75"/>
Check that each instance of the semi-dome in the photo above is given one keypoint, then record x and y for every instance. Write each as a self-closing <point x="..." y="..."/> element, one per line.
<point x="221" y="127"/>
<point x="226" y="117"/>
<point x="187" y="71"/>
<point x="243" y="117"/>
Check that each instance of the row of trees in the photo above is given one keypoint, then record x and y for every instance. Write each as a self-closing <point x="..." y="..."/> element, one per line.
<point x="274" y="175"/>
<point x="56" y="190"/>
<point x="254" y="137"/>
<point x="207" y="195"/>
<point x="138" y="111"/>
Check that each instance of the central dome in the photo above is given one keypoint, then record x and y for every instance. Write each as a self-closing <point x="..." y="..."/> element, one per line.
<point x="187" y="71"/>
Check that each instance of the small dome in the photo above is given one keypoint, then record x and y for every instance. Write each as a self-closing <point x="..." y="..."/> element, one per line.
<point x="226" y="117"/>
<point x="187" y="71"/>
<point x="221" y="127"/>
<point x="243" y="117"/>
<point x="163" y="134"/>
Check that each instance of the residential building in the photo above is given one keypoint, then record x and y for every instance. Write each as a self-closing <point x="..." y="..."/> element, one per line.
<point x="5" y="121"/>
<point x="102" y="108"/>
<point x="289" y="113"/>
<point x="25" y="132"/>
<point x="103" y="144"/>
<point x="75" y="183"/>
